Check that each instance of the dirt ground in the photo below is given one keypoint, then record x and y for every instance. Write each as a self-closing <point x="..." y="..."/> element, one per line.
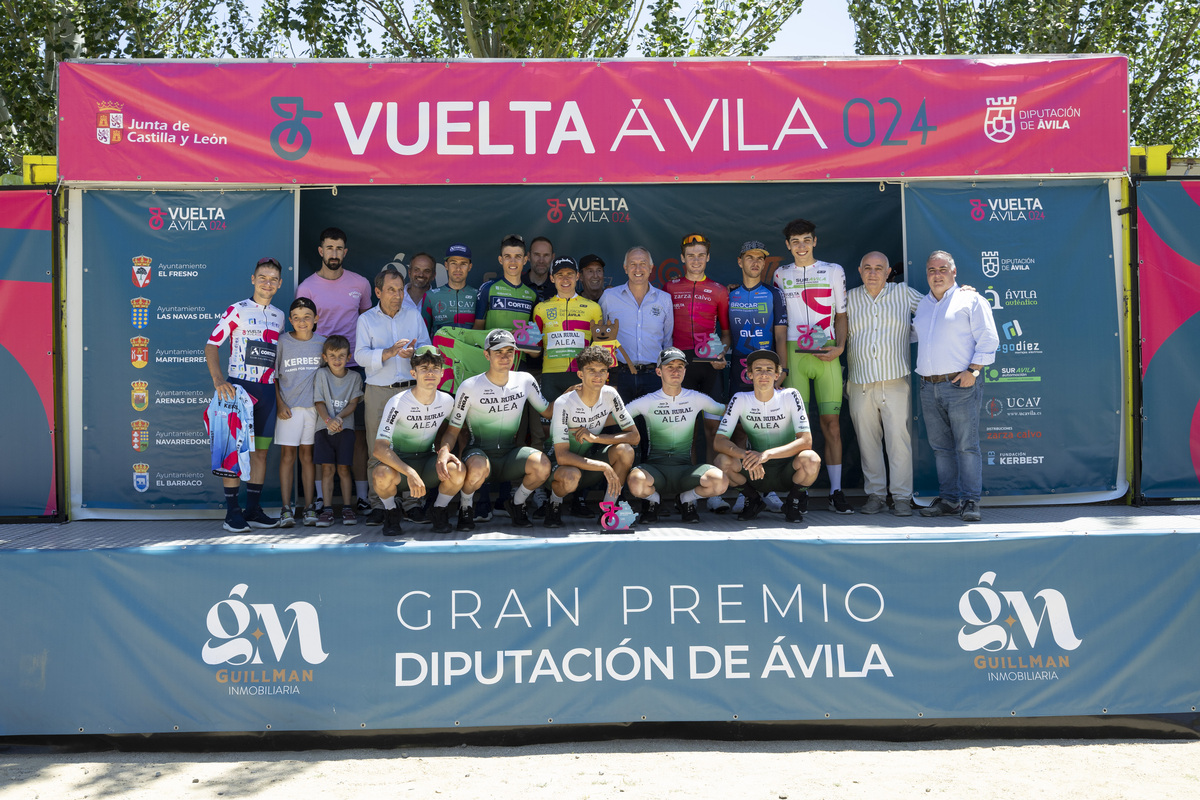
<point x="647" y="768"/>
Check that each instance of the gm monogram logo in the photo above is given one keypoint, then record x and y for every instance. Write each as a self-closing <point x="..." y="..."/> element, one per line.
<point x="981" y="608"/>
<point x="240" y="645"/>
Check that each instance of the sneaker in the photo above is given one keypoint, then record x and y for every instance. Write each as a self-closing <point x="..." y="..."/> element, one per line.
<point x="838" y="504"/>
<point x="466" y="518"/>
<point x="286" y="518"/>
<point x="902" y="507"/>
<point x="483" y="511"/>
<point x="391" y="521"/>
<point x="374" y="517"/>
<point x="740" y="503"/>
<point x="417" y="514"/>
<point x="970" y="511"/>
<point x="717" y="505"/>
<point x="579" y="507"/>
<point x="874" y="505"/>
<point x="520" y="515"/>
<point x="310" y="517"/>
<point x="325" y="518"/>
<point x="553" y="515"/>
<point x="792" y="511"/>
<point x="802" y="501"/>
<point x="649" y="512"/>
<point x="939" y="508"/>
<point x="319" y="506"/>
<point x="440" y="516"/>
<point x="362" y="506"/>
<point x="690" y="514"/>
<point x="350" y="518"/>
<point x="257" y="518"/>
<point x="752" y="508"/>
<point x="774" y="504"/>
<point x="235" y="522"/>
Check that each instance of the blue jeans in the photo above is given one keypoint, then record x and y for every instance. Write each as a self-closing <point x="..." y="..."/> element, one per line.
<point x="952" y="424"/>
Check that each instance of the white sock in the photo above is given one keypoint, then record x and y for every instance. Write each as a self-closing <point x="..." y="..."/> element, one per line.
<point x="319" y="495"/>
<point x="442" y="500"/>
<point x="555" y="500"/>
<point x="467" y="501"/>
<point x="360" y="488"/>
<point x="521" y="494"/>
<point x="655" y="497"/>
<point x="689" y="496"/>
<point x="389" y="502"/>
<point x="835" y="477"/>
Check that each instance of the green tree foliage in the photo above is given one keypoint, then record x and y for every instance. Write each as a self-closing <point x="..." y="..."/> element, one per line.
<point x="1160" y="37"/>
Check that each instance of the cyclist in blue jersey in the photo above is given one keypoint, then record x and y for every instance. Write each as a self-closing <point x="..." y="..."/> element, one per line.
<point x="757" y="316"/>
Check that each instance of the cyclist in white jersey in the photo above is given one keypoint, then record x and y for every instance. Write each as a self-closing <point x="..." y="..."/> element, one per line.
<point x="779" y="455"/>
<point x="584" y="454"/>
<point x="670" y="415"/>
<point x="491" y="405"/>
<point x="404" y="445"/>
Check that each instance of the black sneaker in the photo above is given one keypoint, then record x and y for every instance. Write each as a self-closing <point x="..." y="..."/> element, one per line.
<point x="441" y="519"/>
<point x="838" y="504"/>
<point x="257" y="518"/>
<point x="753" y="507"/>
<point x="940" y="508"/>
<point x="483" y="511"/>
<point x="689" y="512"/>
<point x="649" y="512"/>
<point x="801" y="500"/>
<point x="417" y="514"/>
<point x="579" y="507"/>
<point x="361" y="506"/>
<point x="235" y="522"/>
<point x="792" y="511"/>
<point x="391" y="522"/>
<point x="466" y="518"/>
<point x="520" y="515"/>
<point x="970" y="511"/>
<point x="375" y="517"/>
<point x="553" y="515"/>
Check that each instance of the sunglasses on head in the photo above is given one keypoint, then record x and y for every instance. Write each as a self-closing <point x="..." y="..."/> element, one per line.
<point x="695" y="238"/>
<point x="267" y="260"/>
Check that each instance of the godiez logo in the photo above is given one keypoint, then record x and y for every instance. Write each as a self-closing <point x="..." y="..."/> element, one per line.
<point x="239" y="646"/>
<point x="1005" y="621"/>
<point x="196" y="218"/>
<point x="588" y="209"/>
<point x="1000" y="120"/>
<point x="1015" y="341"/>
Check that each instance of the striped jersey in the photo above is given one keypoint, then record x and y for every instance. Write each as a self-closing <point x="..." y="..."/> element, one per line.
<point x="878" y="349"/>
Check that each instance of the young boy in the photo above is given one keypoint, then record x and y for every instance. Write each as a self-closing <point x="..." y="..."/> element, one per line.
<point x="252" y="328"/>
<point x="296" y="363"/>
<point x="779" y="454"/>
<point x="336" y="393"/>
<point x="404" y="445"/>
<point x="585" y="455"/>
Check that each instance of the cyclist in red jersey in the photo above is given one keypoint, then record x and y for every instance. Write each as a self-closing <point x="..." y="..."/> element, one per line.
<point x="700" y="309"/>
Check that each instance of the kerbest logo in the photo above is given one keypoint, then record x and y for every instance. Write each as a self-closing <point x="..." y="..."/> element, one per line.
<point x="591" y="208"/>
<point x="186" y="219"/>
<point x="1007" y="209"/>
<point x="237" y="630"/>
<point x="1012" y="632"/>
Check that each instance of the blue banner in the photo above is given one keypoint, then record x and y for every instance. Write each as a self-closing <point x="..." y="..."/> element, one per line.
<point x="1042" y="254"/>
<point x="159" y="268"/>
<point x="429" y="635"/>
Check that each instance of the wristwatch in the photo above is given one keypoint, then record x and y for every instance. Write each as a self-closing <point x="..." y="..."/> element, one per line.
<point x="974" y="372"/>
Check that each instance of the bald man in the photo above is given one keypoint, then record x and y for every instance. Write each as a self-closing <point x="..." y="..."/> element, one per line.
<point x="880" y="318"/>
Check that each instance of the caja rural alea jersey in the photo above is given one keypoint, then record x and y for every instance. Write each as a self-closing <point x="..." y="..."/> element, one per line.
<point x="570" y="412"/>
<point x="493" y="413"/>
<point x="253" y="335"/>
<point x="411" y="426"/>
<point x="671" y="422"/>
<point x="773" y="423"/>
<point x="814" y="295"/>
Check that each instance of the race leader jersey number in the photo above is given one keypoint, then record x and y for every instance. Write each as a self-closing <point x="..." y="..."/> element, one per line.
<point x="493" y="413"/>
<point x="411" y="426"/>
<point x="814" y="295"/>
<point x="776" y="422"/>
<point x="253" y="334"/>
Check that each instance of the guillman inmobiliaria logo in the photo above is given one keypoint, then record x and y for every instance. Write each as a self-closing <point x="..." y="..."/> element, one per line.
<point x="233" y="643"/>
<point x="1010" y="641"/>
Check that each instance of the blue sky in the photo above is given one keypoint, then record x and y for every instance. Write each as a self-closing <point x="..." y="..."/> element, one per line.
<point x="822" y="28"/>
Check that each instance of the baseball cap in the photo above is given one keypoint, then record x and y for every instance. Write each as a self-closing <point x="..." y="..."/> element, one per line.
<point x="460" y="250"/>
<point x="758" y="355"/>
<point x="671" y="354"/>
<point x="563" y="262"/>
<point x="752" y="245"/>
<point x="499" y="338"/>
<point x="591" y="258"/>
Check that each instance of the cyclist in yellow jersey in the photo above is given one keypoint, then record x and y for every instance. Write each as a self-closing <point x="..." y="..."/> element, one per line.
<point x="566" y="325"/>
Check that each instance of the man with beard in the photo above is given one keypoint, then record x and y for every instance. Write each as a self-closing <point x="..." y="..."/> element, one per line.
<point x="421" y="269"/>
<point x="541" y="257"/>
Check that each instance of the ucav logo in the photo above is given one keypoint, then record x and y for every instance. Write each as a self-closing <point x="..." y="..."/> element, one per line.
<point x="984" y="631"/>
<point x="237" y="647"/>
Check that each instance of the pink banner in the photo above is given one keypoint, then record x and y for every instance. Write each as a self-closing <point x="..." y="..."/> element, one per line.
<point x="587" y="122"/>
